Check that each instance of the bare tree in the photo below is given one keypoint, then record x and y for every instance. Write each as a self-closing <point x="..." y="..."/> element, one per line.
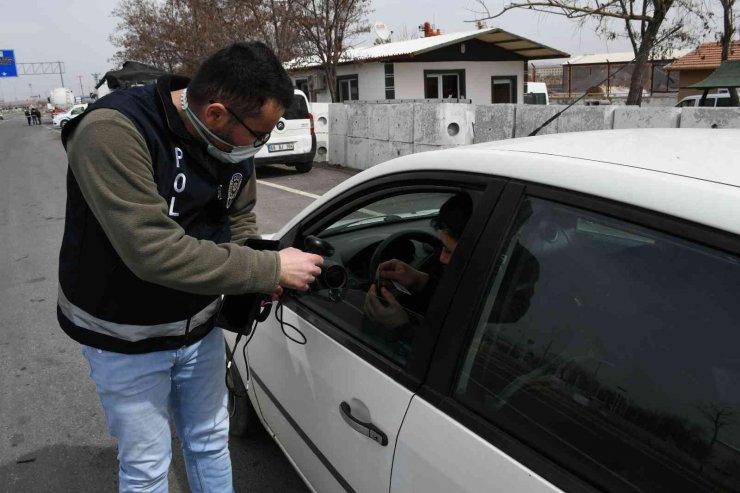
<point x="728" y="27"/>
<point x="275" y="22"/>
<point x="328" y="27"/>
<point x="652" y="26"/>
<point x="719" y="417"/>
<point x="177" y="35"/>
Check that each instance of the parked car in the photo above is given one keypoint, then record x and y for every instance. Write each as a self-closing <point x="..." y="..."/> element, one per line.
<point x="61" y="119"/>
<point x="293" y="141"/>
<point x="582" y="338"/>
<point x="721" y="100"/>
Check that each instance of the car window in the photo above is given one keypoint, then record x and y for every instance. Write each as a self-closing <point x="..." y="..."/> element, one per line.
<point x="710" y="102"/>
<point x="77" y="111"/>
<point x="723" y="102"/>
<point x="687" y="102"/>
<point x="612" y="350"/>
<point x="298" y="110"/>
<point x="394" y="228"/>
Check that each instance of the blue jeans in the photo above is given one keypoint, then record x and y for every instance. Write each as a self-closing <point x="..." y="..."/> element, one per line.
<point x="139" y="390"/>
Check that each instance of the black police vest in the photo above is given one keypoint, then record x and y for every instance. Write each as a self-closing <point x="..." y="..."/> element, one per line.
<point x="94" y="281"/>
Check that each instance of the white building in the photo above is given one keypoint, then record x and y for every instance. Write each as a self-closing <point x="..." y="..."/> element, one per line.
<point x="484" y="66"/>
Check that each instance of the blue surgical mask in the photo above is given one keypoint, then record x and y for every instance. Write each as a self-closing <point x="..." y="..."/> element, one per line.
<point x="237" y="154"/>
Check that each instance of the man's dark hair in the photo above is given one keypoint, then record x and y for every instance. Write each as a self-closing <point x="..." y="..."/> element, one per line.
<point x="453" y="215"/>
<point x="242" y="76"/>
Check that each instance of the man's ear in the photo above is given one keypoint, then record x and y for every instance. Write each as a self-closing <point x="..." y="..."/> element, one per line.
<point x="215" y="116"/>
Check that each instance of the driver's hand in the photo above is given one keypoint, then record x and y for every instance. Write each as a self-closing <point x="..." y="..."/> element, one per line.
<point x="387" y="311"/>
<point x="404" y="274"/>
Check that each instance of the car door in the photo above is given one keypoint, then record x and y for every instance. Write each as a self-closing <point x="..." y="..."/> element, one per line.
<point x="593" y="349"/>
<point x="332" y="385"/>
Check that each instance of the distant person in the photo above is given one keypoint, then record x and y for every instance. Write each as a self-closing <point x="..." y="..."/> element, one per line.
<point x="161" y="190"/>
<point x="36" y="115"/>
<point x="29" y="115"/>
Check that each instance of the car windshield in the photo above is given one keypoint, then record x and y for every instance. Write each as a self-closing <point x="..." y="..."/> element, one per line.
<point x="372" y="217"/>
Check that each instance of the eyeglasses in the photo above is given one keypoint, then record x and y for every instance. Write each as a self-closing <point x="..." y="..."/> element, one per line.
<point x="260" y="138"/>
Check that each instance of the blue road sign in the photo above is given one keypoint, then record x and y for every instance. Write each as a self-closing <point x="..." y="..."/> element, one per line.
<point x="7" y="64"/>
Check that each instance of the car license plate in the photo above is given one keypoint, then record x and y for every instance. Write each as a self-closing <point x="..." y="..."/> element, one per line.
<point x="279" y="147"/>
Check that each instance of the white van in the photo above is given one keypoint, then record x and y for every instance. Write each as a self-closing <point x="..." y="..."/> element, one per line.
<point x="293" y="140"/>
<point x="536" y="93"/>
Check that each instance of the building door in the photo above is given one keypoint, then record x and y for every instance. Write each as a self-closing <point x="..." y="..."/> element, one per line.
<point x="503" y="89"/>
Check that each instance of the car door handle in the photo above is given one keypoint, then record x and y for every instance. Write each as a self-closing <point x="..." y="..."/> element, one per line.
<point x="367" y="429"/>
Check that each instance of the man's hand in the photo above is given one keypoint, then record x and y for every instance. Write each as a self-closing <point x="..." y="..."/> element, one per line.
<point x="275" y="295"/>
<point x="298" y="269"/>
<point x="388" y="313"/>
<point x="404" y="274"/>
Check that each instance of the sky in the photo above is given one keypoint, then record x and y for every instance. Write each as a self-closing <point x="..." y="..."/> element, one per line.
<point x="76" y="32"/>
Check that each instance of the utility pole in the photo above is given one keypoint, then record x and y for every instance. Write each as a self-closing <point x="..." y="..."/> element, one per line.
<point x="30" y="90"/>
<point x="82" y="91"/>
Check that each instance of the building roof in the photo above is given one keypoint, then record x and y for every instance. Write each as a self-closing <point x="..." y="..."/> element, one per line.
<point x="706" y="56"/>
<point x="727" y="75"/>
<point x="408" y="49"/>
<point x="619" y="57"/>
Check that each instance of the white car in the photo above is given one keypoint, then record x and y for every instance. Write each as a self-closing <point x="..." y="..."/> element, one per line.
<point x="584" y="336"/>
<point x="293" y="140"/>
<point x="721" y="100"/>
<point x="61" y="119"/>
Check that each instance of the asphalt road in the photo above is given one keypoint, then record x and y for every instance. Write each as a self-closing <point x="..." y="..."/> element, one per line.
<point x="52" y="431"/>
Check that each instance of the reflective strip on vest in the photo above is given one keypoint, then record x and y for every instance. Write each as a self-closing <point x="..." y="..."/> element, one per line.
<point x="133" y="333"/>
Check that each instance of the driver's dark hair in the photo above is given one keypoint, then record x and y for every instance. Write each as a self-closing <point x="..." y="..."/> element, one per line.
<point x="242" y="76"/>
<point x="453" y="215"/>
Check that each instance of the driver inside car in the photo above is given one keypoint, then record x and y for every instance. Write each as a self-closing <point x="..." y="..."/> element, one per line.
<point x="396" y="276"/>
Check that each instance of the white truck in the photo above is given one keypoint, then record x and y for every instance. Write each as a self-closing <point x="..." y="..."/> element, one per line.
<point x="61" y="97"/>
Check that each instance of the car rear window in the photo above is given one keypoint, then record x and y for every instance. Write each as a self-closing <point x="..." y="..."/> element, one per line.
<point x="298" y="110"/>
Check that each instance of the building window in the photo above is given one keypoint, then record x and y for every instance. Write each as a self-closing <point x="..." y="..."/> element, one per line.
<point x="302" y="85"/>
<point x="444" y="84"/>
<point x="390" y="84"/>
<point x="347" y="88"/>
<point x="503" y="89"/>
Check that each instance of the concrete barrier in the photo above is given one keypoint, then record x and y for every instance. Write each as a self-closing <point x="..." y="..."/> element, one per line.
<point x="361" y="135"/>
<point x="401" y="122"/>
<point x="443" y="124"/>
<point x="530" y="117"/>
<point x="585" y="118"/>
<point x="320" y="112"/>
<point x="636" y="117"/>
<point x="710" y="117"/>
<point x="494" y="122"/>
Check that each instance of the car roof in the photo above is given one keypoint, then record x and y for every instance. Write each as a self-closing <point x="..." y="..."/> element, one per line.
<point x="688" y="173"/>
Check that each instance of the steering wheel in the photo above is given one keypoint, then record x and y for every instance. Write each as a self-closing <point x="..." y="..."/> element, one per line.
<point x="395" y="238"/>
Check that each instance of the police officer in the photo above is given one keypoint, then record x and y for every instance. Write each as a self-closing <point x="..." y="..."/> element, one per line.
<point x="160" y="201"/>
<point x="29" y="115"/>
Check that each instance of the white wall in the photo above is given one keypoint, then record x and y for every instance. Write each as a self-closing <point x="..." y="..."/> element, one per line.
<point x="370" y="80"/>
<point x="410" y="78"/>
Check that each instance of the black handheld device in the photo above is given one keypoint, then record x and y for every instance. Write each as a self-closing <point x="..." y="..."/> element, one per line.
<point x="239" y="312"/>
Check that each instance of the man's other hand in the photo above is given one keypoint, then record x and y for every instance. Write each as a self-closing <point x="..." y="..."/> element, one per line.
<point x="404" y="274"/>
<point x="298" y="269"/>
<point x="385" y="311"/>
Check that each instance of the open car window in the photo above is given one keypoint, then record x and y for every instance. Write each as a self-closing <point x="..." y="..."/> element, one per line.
<point x="398" y="228"/>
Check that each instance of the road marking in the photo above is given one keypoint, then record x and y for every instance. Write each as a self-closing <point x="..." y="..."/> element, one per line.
<point x="288" y="189"/>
